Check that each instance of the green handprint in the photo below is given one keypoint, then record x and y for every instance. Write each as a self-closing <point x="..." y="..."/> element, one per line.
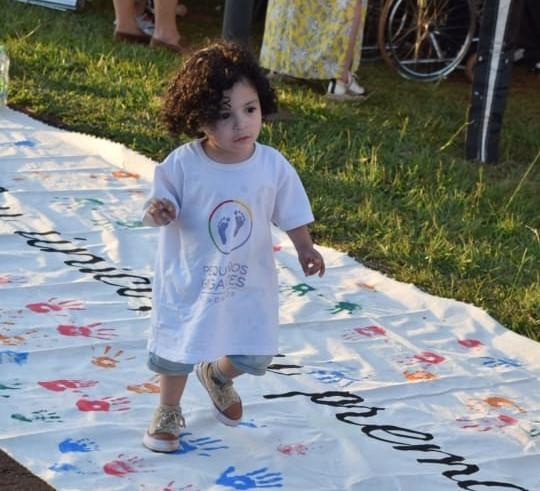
<point x="16" y="386"/>
<point x="41" y="415"/>
<point x="345" y="307"/>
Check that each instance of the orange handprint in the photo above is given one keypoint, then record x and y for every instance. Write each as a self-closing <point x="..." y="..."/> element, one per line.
<point x="123" y="174"/>
<point x="418" y="375"/>
<point x="105" y="361"/>
<point x="12" y="340"/>
<point x="496" y="402"/>
<point x="150" y="386"/>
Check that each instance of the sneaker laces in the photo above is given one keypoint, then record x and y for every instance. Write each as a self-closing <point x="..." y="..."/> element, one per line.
<point x="169" y="421"/>
<point x="225" y="395"/>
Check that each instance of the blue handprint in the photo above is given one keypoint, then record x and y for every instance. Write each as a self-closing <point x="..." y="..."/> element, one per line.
<point x="333" y="377"/>
<point x="82" y="445"/>
<point x="201" y="445"/>
<point x="88" y="468"/>
<point x="63" y="467"/>
<point x="18" y="357"/>
<point x="250" y="424"/>
<point x="492" y="362"/>
<point x="18" y="143"/>
<point x="259" y="478"/>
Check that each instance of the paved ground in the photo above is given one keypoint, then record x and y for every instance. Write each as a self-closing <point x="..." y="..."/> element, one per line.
<point x="14" y="477"/>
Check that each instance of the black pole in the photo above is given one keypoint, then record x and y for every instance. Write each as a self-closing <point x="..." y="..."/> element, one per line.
<point x="237" y="18"/>
<point x="491" y="78"/>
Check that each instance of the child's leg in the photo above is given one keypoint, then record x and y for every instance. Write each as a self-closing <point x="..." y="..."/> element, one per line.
<point x="216" y="378"/>
<point x="167" y="421"/>
<point x="252" y="364"/>
<point x="171" y="389"/>
<point x="226" y="369"/>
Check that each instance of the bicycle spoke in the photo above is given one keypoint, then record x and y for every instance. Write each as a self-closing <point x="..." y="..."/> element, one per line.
<point x="427" y="38"/>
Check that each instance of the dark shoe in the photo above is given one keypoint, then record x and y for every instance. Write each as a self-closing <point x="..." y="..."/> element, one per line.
<point x="131" y="37"/>
<point x="227" y="403"/>
<point x="181" y="48"/>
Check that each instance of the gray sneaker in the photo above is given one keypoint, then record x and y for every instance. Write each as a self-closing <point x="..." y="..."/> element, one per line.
<point x="227" y="404"/>
<point x="164" y="430"/>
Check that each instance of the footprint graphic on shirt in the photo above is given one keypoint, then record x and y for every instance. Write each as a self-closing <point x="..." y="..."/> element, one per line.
<point x="230" y="225"/>
<point x="240" y="219"/>
<point x="223" y="225"/>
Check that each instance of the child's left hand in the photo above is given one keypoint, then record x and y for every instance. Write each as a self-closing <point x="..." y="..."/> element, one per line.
<point x="311" y="261"/>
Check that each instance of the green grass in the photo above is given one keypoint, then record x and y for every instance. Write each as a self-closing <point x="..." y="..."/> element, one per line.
<point x="387" y="178"/>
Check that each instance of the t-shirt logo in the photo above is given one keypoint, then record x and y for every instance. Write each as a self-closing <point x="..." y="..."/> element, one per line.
<point x="230" y="225"/>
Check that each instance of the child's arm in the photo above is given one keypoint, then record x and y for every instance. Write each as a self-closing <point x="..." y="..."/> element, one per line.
<point x="310" y="260"/>
<point x="160" y="212"/>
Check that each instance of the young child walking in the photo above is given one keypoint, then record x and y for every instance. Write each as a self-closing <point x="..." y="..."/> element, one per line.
<point x="215" y="289"/>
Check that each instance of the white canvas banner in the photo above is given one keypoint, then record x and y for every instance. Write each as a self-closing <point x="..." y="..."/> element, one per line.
<point x="377" y="386"/>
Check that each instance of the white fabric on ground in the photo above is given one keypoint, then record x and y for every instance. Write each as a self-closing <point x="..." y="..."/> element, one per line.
<point x="378" y="385"/>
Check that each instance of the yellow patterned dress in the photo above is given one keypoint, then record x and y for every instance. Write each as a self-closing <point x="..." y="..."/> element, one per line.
<point x="309" y="38"/>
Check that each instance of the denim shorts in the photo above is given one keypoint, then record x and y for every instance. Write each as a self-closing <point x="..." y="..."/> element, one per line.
<point x="252" y="364"/>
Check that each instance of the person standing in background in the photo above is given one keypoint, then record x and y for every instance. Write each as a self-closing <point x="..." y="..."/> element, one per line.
<point x="316" y="39"/>
<point x="165" y="34"/>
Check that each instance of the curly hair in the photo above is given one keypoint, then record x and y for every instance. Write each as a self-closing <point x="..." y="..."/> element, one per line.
<point x="195" y="93"/>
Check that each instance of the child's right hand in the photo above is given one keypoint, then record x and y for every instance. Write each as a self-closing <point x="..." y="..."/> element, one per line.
<point x="161" y="211"/>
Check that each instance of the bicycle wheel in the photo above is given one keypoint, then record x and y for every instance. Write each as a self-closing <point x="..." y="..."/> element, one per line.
<point x="425" y="39"/>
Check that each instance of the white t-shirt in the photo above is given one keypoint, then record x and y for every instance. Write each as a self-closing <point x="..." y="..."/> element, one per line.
<point x="215" y="288"/>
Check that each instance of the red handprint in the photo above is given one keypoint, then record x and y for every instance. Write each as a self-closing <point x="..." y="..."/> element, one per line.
<point x="486" y="423"/>
<point x="293" y="449"/>
<point x="11" y="279"/>
<point x="370" y="331"/>
<point x="123" y="466"/>
<point x="429" y="358"/>
<point x="469" y="343"/>
<point x="357" y="334"/>
<point x="88" y="331"/>
<point x="106" y="404"/>
<point x="170" y="487"/>
<point x="53" y="305"/>
<point x="62" y="385"/>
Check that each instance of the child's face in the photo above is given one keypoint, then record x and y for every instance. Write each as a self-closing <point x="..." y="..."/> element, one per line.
<point x="231" y="138"/>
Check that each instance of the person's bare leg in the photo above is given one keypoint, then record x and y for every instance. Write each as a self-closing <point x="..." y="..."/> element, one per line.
<point x="227" y="368"/>
<point x="165" y="20"/>
<point x="171" y="389"/>
<point x="125" y="12"/>
<point x="355" y="29"/>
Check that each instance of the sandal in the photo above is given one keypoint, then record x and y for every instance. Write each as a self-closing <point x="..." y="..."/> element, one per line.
<point x="341" y="91"/>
